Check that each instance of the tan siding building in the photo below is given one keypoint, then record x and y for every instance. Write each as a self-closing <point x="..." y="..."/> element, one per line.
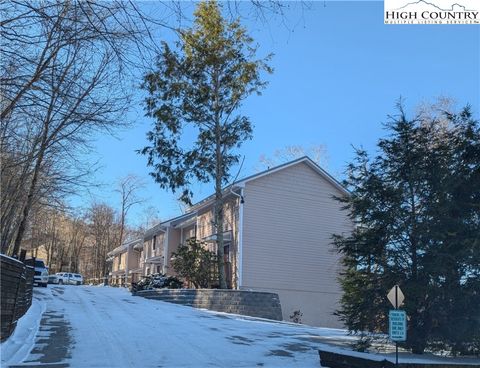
<point x="289" y="218"/>
<point x="278" y="237"/>
<point x="125" y="261"/>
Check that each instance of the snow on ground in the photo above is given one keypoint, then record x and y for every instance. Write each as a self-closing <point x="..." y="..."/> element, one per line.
<point x="107" y="327"/>
<point x="21" y="342"/>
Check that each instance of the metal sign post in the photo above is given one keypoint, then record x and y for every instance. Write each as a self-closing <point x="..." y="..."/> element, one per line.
<point x="396" y="343"/>
<point x="397" y="319"/>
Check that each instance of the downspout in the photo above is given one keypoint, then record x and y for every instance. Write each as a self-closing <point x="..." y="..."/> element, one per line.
<point x="240" y="236"/>
<point x="126" y="265"/>
<point x="145" y="250"/>
<point x="165" y="250"/>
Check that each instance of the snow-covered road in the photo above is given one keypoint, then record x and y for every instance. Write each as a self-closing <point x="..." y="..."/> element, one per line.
<point x="88" y="326"/>
<point x="107" y="327"/>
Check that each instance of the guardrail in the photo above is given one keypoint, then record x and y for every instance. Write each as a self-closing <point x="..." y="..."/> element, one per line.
<point x="16" y="285"/>
<point x="96" y="281"/>
<point x="111" y="280"/>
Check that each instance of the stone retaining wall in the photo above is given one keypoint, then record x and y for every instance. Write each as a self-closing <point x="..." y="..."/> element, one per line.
<point x="247" y="303"/>
<point x="16" y="285"/>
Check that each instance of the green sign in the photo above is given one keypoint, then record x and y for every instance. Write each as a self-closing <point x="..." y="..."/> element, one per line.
<point x="397" y="325"/>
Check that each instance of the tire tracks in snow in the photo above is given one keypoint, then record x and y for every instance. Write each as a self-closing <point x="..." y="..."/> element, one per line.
<point x="107" y="338"/>
<point x="167" y="344"/>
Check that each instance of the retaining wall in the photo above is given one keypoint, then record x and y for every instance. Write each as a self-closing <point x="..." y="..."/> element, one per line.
<point x="16" y="288"/>
<point x="362" y="360"/>
<point x="247" y="303"/>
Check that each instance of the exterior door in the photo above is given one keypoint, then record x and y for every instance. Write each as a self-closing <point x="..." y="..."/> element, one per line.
<point x="227" y="265"/>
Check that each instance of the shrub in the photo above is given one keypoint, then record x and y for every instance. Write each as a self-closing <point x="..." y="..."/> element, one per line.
<point x="157" y="281"/>
<point x="194" y="262"/>
<point x="296" y="316"/>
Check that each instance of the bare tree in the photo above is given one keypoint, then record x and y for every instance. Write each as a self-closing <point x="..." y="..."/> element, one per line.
<point x="64" y="82"/>
<point x="55" y="182"/>
<point x="73" y="239"/>
<point x="66" y="74"/>
<point x="105" y="232"/>
<point x="78" y="233"/>
<point x="128" y="188"/>
<point x="438" y="110"/>
<point x="149" y="218"/>
<point x="318" y="153"/>
<point x="36" y="34"/>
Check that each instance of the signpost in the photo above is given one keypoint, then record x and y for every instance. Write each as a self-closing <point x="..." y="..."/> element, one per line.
<point x="397" y="326"/>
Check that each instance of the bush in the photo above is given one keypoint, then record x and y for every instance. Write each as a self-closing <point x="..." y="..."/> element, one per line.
<point x="157" y="281"/>
<point x="296" y="316"/>
<point x="194" y="262"/>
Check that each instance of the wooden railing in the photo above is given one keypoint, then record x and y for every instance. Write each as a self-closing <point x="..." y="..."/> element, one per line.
<point x="97" y="280"/>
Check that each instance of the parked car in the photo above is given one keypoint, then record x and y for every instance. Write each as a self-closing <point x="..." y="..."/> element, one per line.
<point x="68" y="278"/>
<point x="52" y="279"/>
<point x="41" y="271"/>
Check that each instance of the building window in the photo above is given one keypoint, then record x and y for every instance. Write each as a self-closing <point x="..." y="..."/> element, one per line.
<point x="154" y="244"/>
<point x="158" y="269"/>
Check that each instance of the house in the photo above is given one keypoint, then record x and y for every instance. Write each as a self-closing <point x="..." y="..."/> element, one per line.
<point x="164" y="238"/>
<point x="126" y="263"/>
<point x="278" y="238"/>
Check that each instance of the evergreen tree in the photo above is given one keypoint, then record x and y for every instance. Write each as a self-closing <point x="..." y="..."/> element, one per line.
<point x="416" y="207"/>
<point x="195" y="263"/>
<point x="194" y="95"/>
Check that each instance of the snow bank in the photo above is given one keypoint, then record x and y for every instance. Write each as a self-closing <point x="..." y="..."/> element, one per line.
<point x="21" y="342"/>
<point x="11" y="258"/>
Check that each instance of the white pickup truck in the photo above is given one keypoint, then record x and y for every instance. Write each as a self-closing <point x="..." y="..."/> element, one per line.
<point x="41" y="271"/>
<point x="66" y="278"/>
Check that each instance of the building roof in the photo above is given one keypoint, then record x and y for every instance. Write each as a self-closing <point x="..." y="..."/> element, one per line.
<point x="192" y="211"/>
<point x="124" y="247"/>
<point x="153" y="231"/>
<point x="305" y="159"/>
<point x="241" y="182"/>
<point x="161" y="227"/>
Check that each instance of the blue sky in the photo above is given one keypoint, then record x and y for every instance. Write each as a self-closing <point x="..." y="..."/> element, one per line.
<point x="339" y="72"/>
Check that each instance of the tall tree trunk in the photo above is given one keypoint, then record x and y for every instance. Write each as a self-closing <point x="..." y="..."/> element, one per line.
<point x="31" y="193"/>
<point x="122" y="222"/>
<point x="219" y="211"/>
